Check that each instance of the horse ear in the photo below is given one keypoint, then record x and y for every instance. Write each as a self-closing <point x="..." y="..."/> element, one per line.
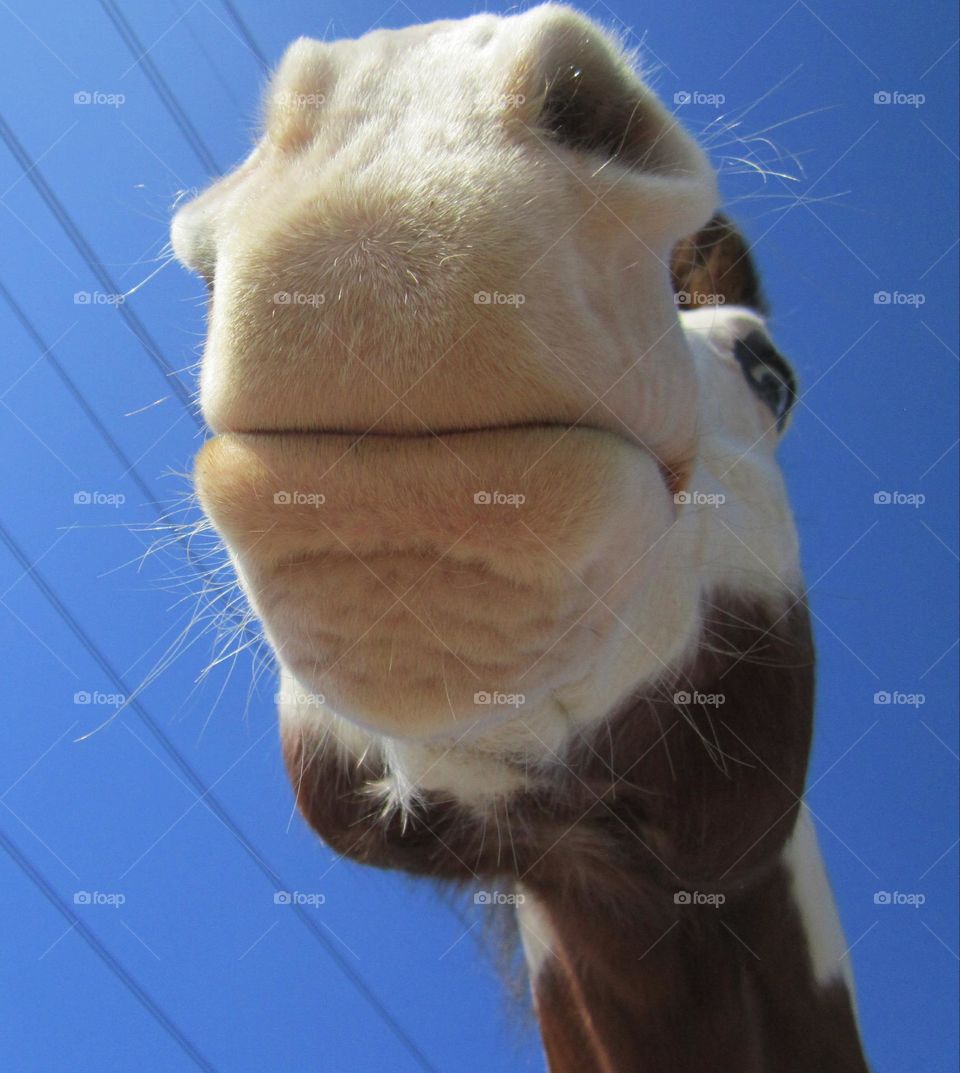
<point x="714" y="267"/>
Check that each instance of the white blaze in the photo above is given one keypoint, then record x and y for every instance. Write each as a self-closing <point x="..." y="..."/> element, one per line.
<point x="818" y="912"/>
<point x="536" y="933"/>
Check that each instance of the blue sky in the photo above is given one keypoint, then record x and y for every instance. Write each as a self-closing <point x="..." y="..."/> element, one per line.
<point x="179" y="806"/>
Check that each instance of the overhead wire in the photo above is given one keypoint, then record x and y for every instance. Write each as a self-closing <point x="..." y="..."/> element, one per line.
<point x="143" y="60"/>
<point x="35" y="176"/>
<point x="136" y="989"/>
<point x="245" y="33"/>
<point x="205" y="795"/>
<point x="139" y="330"/>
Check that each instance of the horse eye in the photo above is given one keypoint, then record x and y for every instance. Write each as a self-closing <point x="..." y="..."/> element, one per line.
<point x="768" y="374"/>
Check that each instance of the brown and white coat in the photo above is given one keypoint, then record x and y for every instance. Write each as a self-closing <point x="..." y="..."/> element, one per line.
<point x="496" y="410"/>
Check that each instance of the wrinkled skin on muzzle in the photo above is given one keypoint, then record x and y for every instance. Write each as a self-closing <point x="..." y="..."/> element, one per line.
<point x="475" y="465"/>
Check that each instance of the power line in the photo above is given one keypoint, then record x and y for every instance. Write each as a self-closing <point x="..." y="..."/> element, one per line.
<point x="248" y="38"/>
<point x="139" y="330"/>
<point x="83" y="247"/>
<point x="105" y="665"/>
<point x="143" y="59"/>
<point x="115" y="966"/>
<point x="209" y="799"/>
<point x="129" y="467"/>
<point x="202" y="47"/>
<point x="54" y="362"/>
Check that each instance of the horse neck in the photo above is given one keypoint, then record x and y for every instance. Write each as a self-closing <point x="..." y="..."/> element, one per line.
<point x="702" y="934"/>
<point x="661" y="987"/>
<point x="676" y="916"/>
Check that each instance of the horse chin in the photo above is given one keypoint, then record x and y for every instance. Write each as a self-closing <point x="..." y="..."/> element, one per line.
<point x="426" y="586"/>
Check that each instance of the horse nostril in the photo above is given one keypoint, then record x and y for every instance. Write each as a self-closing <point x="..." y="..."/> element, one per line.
<point x="595" y="110"/>
<point x="582" y="92"/>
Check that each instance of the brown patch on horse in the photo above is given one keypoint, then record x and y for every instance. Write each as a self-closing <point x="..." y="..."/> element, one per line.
<point x="658" y="792"/>
<point x="664" y="798"/>
<point x="726" y="989"/>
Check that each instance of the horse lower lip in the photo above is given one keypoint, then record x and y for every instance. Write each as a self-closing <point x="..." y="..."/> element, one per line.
<point x="399" y="576"/>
